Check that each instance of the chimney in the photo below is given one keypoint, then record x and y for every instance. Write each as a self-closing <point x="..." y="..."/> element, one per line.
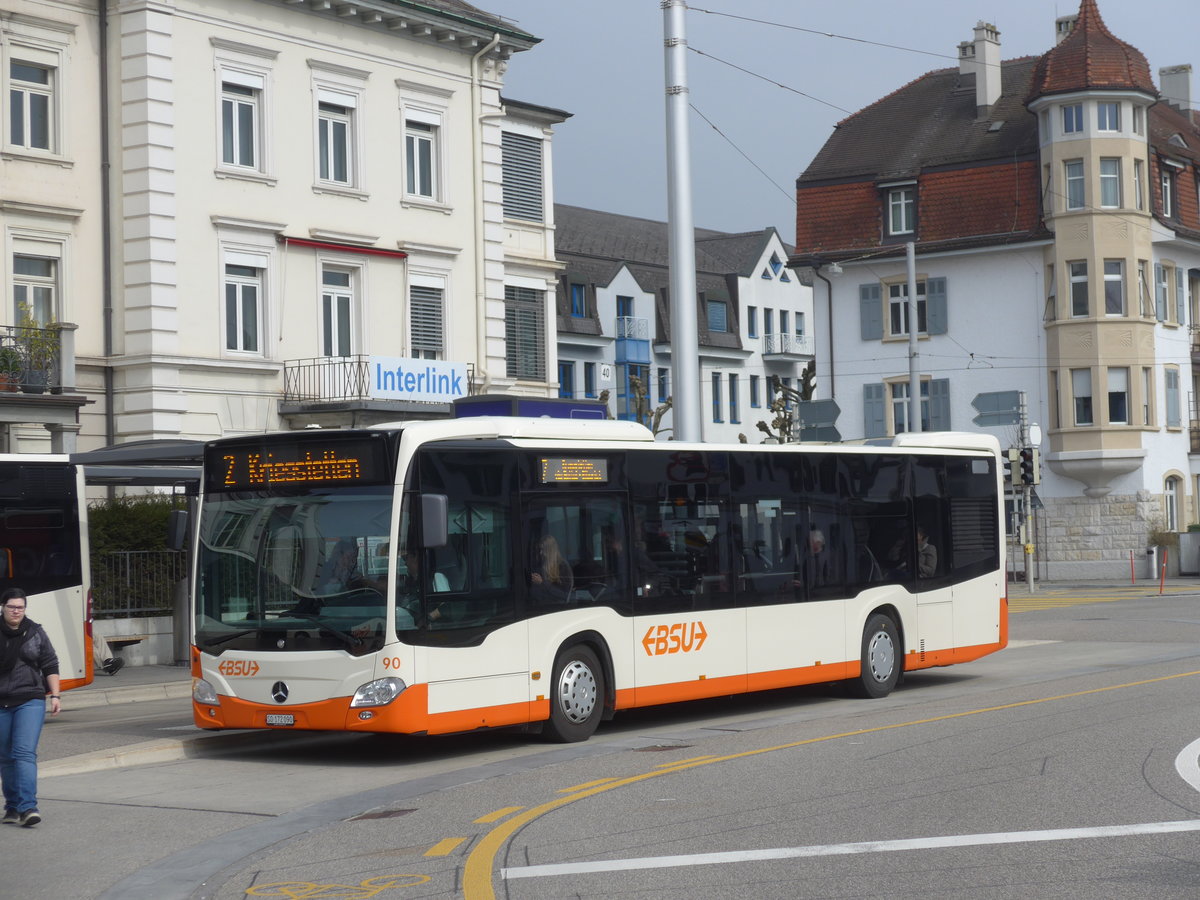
<point x="987" y="62"/>
<point x="1175" y="82"/>
<point x="966" y="59"/>
<point x="1063" y="26"/>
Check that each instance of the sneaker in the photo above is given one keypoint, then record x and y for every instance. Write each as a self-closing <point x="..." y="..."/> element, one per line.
<point x="113" y="665"/>
<point x="30" y="817"/>
<point x="10" y="816"/>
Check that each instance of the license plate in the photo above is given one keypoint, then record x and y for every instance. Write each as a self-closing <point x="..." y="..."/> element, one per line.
<point x="280" y="719"/>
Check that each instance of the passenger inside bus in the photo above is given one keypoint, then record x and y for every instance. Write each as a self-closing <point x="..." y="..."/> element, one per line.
<point x="551" y="580"/>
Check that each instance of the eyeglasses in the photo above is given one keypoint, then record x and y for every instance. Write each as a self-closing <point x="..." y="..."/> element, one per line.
<point x="14" y="608"/>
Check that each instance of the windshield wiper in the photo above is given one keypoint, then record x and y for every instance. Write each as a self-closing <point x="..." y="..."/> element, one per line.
<point x="214" y="642"/>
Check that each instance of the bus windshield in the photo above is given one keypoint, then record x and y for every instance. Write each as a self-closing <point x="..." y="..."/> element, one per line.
<point x="294" y="572"/>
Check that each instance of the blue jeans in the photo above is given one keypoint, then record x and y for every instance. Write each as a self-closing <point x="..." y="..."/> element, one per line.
<point x="20" y="729"/>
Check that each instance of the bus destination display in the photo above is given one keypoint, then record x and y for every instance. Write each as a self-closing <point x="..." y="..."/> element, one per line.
<point x="574" y="469"/>
<point x="295" y="463"/>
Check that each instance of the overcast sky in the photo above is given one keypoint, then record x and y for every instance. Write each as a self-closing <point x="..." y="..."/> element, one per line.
<point x="602" y="60"/>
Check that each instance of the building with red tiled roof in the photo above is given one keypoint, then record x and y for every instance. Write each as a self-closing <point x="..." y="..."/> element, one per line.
<point x="1053" y="209"/>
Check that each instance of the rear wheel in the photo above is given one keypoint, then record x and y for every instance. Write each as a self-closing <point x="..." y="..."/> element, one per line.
<point x="577" y="698"/>
<point x="881" y="657"/>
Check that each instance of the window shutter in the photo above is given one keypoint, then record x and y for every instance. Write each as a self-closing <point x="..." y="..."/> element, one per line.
<point x="425" y="324"/>
<point x="870" y="308"/>
<point x="935" y="306"/>
<point x="524" y="333"/>
<point x="939" y="404"/>
<point x="521" y="159"/>
<point x="1171" y="377"/>
<point x="874" y="412"/>
<point x="1160" y="293"/>
<point x="1180" y="295"/>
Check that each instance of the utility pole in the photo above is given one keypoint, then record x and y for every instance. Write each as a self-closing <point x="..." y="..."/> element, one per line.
<point x="1026" y="498"/>
<point x="685" y="342"/>
<point x="914" y="375"/>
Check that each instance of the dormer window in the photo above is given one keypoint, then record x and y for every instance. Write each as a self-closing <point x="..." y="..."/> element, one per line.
<point x="901" y="210"/>
<point x="1168" y="193"/>
<point x="1072" y="118"/>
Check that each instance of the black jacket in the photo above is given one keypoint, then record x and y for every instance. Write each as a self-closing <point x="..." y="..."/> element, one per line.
<point x="35" y="659"/>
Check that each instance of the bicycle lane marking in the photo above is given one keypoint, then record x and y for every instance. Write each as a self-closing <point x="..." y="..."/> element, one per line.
<point x="477" y="872"/>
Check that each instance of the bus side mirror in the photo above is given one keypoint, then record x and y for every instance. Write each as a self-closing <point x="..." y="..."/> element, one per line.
<point x="435" y="519"/>
<point x="177" y="529"/>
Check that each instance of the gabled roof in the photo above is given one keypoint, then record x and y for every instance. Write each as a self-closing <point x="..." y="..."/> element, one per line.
<point x="644" y="242"/>
<point x="930" y="122"/>
<point x="595" y="245"/>
<point x="1091" y="58"/>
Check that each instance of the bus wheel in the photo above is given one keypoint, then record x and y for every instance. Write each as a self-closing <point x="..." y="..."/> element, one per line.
<point x="881" y="660"/>
<point x="577" y="702"/>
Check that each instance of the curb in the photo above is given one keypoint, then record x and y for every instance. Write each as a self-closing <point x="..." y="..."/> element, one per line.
<point x="84" y="698"/>
<point x="170" y="750"/>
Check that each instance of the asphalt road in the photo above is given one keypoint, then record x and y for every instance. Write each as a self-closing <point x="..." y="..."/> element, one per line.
<point x="1065" y="766"/>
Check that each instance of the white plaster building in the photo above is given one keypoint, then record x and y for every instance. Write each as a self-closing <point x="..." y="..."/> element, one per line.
<point x="292" y="189"/>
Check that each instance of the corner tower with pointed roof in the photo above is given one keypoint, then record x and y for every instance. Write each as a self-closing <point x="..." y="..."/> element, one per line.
<point x="1092" y="94"/>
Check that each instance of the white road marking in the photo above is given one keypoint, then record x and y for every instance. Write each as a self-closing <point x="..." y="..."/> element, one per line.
<point x="932" y="843"/>
<point x="1187" y="764"/>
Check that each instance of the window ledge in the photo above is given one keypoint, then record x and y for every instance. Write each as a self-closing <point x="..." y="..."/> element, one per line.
<point x="246" y="175"/>
<point x="353" y="193"/>
<point x="40" y="156"/>
<point x="410" y="202"/>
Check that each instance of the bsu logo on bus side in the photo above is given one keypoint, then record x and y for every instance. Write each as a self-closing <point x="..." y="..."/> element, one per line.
<point x="681" y="637"/>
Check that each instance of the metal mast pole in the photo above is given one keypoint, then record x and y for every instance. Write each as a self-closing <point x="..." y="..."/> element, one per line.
<point x="914" y="376"/>
<point x="685" y="343"/>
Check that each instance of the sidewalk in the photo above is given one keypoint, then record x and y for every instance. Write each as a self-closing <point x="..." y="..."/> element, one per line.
<point x="133" y="684"/>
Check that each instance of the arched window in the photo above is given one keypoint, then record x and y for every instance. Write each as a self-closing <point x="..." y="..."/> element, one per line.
<point x="1171" y="503"/>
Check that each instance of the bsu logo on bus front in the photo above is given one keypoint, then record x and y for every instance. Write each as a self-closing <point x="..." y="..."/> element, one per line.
<point x="681" y="637"/>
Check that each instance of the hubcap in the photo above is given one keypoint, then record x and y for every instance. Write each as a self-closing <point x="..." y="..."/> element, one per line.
<point x="881" y="656"/>
<point x="577" y="692"/>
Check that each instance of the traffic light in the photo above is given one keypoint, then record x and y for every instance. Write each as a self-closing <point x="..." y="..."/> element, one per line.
<point x="1029" y="466"/>
<point x="1012" y="465"/>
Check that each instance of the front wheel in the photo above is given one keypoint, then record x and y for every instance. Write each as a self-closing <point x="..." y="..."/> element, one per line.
<point x="577" y="698"/>
<point x="881" y="657"/>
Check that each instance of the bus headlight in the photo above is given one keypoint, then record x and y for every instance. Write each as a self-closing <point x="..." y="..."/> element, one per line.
<point x="203" y="692"/>
<point x="378" y="693"/>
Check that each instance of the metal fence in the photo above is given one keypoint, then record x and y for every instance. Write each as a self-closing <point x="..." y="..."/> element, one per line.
<point x="136" y="582"/>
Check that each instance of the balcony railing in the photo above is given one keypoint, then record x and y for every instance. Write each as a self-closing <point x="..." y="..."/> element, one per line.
<point x="31" y="358"/>
<point x="786" y="343"/>
<point x="1195" y="329"/>
<point x="332" y="379"/>
<point x="326" y="379"/>
<point x="633" y="327"/>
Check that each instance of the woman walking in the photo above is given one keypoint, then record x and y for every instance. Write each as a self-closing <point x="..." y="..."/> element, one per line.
<point x="28" y="678"/>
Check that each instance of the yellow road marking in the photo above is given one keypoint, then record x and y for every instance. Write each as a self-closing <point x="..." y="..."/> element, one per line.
<point x="680" y="762"/>
<point x="586" y="784"/>
<point x="444" y="847"/>
<point x="498" y="814"/>
<point x="477" y="873"/>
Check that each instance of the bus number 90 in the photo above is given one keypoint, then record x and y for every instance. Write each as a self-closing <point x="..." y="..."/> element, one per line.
<point x="391" y="662"/>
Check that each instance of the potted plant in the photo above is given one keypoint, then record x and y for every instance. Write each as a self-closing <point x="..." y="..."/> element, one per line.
<point x="12" y="367"/>
<point x="39" y="344"/>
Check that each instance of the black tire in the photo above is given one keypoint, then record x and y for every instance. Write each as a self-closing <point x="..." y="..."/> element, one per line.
<point x="882" y="657"/>
<point x="576" y="696"/>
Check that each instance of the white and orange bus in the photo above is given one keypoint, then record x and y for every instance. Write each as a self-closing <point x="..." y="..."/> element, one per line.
<point x="443" y="576"/>
<point x="44" y="551"/>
